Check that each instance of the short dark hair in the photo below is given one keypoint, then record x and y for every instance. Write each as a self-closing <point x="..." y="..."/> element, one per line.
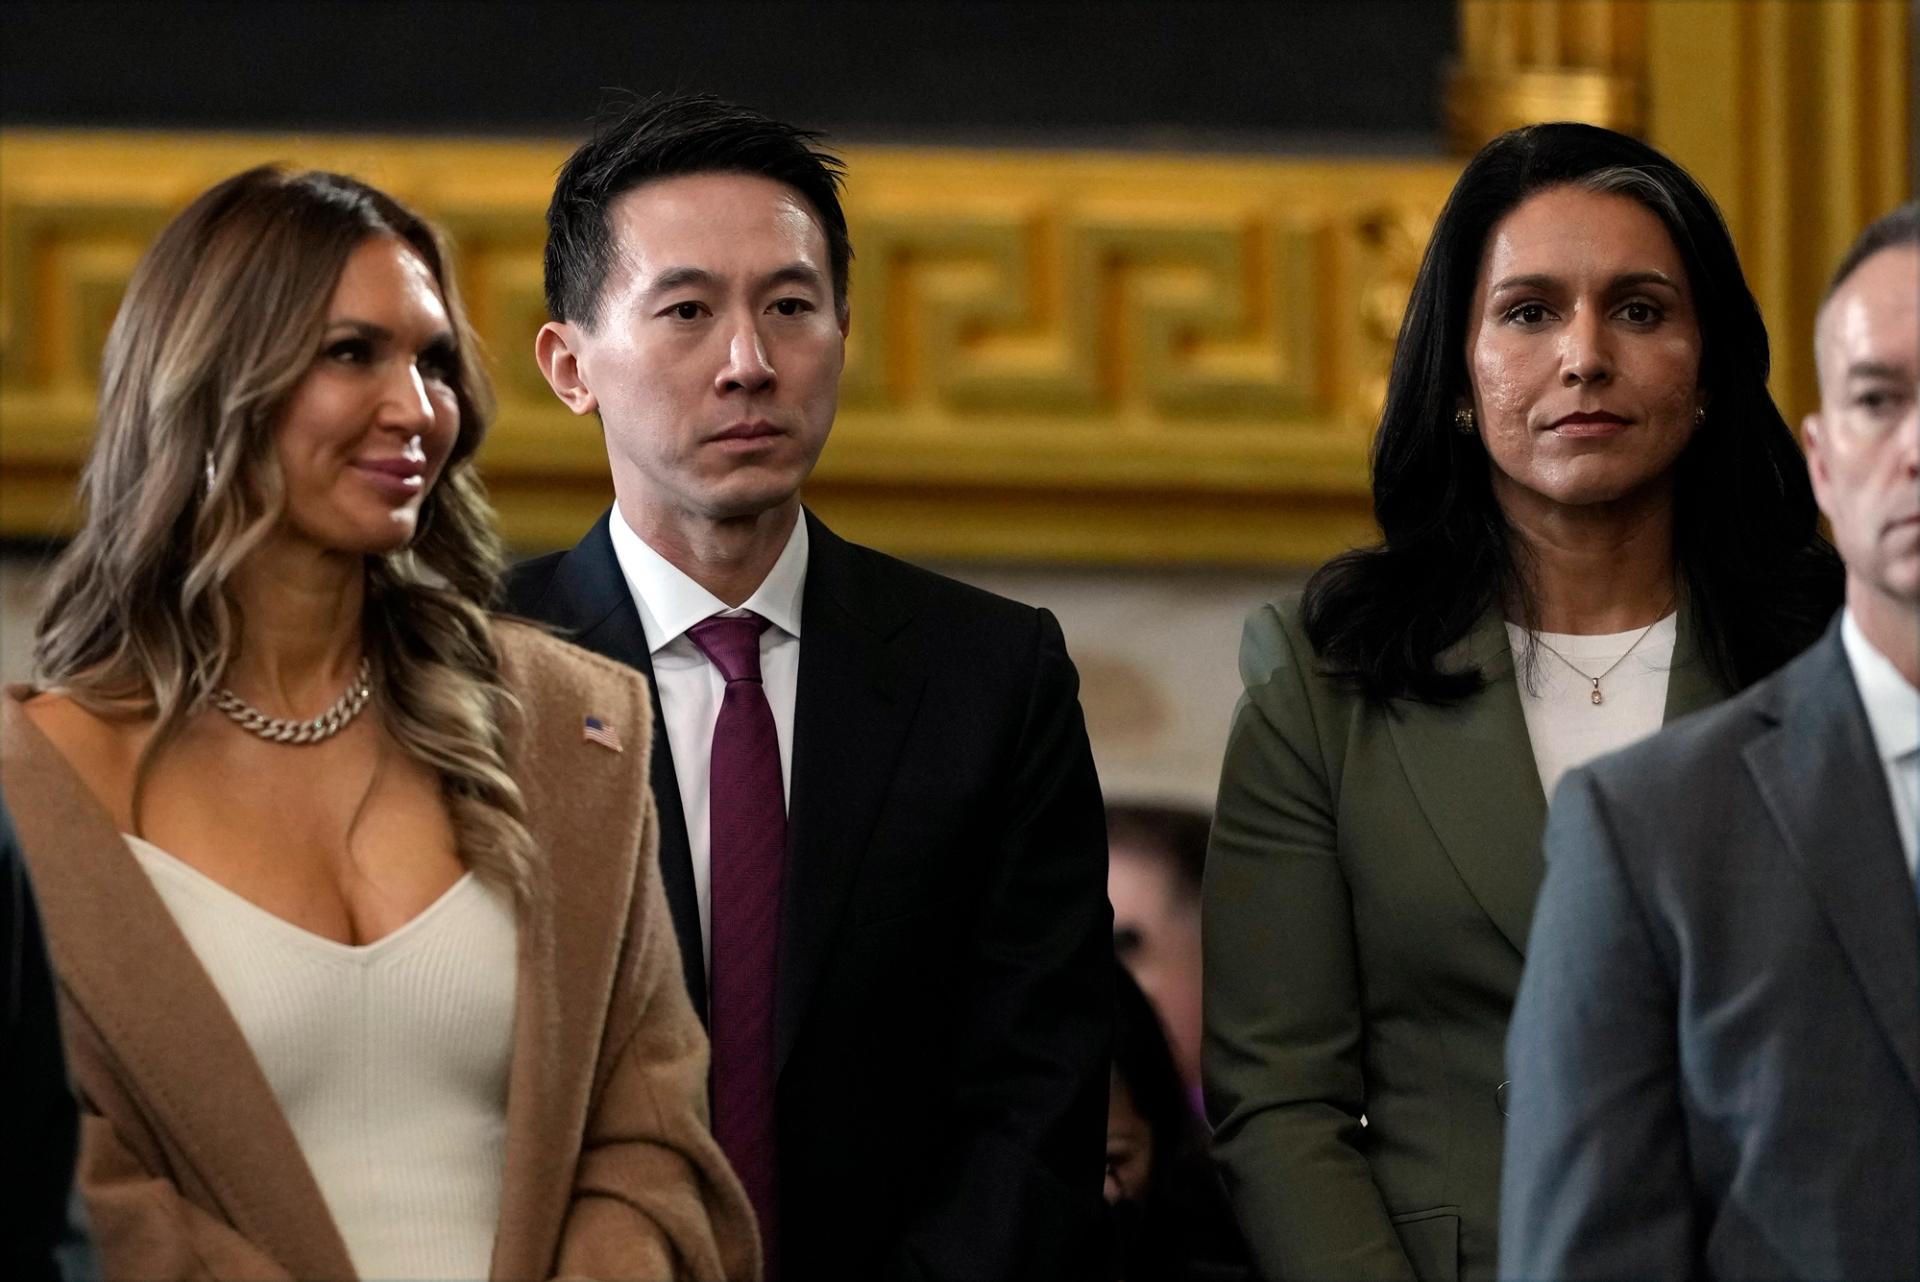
<point x="1761" y="580"/>
<point x="1898" y="226"/>
<point x="665" y="136"/>
<point x="1175" y="835"/>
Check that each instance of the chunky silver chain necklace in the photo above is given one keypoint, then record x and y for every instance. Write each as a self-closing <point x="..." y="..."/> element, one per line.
<point x="280" y="730"/>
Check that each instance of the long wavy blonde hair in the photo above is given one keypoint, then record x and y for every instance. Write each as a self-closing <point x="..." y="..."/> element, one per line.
<point x="223" y="317"/>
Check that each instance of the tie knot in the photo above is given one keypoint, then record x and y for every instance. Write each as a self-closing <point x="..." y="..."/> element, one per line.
<point x="732" y="644"/>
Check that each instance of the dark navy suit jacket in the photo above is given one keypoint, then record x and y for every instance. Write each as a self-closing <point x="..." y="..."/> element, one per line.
<point x="943" y="1019"/>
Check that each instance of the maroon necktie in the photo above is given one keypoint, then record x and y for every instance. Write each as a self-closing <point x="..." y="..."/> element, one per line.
<point x="748" y="810"/>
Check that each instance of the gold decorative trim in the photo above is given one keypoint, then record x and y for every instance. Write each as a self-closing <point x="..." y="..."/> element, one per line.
<point x="1054" y="356"/>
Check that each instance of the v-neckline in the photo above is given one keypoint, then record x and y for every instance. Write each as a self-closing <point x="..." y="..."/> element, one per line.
<point x="297" y="934"/>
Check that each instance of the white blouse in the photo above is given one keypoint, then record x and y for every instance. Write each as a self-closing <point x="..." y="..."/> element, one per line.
<point x="389" y="1059"/>
<point x="1566" y="727"/>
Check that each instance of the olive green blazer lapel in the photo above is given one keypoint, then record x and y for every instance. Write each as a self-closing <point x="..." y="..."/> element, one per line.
<point x="1471" y="768"/>
<point x="1692" y="684"/>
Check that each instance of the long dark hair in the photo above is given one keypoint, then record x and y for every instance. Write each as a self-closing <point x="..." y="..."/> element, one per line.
<point x="1760" y="579"/>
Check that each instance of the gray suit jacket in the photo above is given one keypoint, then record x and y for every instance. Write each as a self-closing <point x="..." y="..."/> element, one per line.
<point x="1715" y="1052"/>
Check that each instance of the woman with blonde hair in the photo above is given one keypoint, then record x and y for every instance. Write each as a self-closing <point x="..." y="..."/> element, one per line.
<point x="365" y="967"/>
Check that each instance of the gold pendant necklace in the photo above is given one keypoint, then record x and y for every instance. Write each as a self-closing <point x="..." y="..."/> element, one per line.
<point x="1594" y="696"/>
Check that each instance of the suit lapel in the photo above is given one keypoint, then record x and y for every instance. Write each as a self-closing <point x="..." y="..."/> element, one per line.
<point x="1471" y="767"/>
<point x="170" y="1032"/>
<point x="1821" y="779"/>
<point x="1691" y="682"/>
<point x="1472" y="771"/>
<point x="589" y="600"/>
<point x="858" y="690"/>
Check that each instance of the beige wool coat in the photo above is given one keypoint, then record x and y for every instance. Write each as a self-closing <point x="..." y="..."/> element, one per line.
<point x="191" y="1171"/>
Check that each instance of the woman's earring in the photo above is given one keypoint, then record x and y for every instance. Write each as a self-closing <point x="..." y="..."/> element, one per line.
<point x="1463" y="420"/>
<point x="1700" y="416"/>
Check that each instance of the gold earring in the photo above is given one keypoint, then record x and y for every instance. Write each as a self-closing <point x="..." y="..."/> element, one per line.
<point x="1463" y="421"/>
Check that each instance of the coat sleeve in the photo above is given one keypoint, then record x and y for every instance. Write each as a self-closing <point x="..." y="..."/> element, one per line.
<point x="1282" y="1055"/>
<point x="143" y="1226"/>
<point x="1020" y="1195"/>
<point x="653" y="1197"/>
<point x="1597" y="1179"/>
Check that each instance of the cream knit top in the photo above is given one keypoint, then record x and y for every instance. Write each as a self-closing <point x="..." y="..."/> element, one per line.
<point x="389" y="1059"/>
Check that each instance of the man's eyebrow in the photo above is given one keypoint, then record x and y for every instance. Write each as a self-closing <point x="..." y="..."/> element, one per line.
<point x="795" y="273"/>
<point x="676" y="277"/>
<point x="1878" y="369"/>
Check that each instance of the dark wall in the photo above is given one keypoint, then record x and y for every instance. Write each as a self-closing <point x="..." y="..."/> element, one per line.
<point x="1301" y="74"/>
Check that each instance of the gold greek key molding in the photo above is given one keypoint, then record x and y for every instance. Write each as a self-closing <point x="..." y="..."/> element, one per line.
<point x="1071" y="356"/>
<point x="1055" y="356"/>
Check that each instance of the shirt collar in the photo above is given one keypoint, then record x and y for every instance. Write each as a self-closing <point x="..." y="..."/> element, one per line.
<point x="670" y="602"/>
<point x="1893" y="706"/>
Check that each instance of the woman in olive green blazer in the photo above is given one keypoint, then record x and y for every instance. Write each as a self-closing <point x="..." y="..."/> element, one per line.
<point x="1577" y="440"/>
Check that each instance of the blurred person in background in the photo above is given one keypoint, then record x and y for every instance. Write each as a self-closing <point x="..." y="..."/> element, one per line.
<point x="1594" y="521"/>
<point x="1155" y="855"/>
<point x="1716" y="1047"/>
<point x="364" y="963"/>
<point x="1171" y="1221"/>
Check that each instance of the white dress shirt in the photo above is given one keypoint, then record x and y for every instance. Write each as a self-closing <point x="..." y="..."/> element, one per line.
<point x="691" y="687"/>
<point x="1893" y="715"/>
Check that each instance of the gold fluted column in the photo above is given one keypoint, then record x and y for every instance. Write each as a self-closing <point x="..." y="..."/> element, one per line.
<point x="1798" y="118"/>
<point x="1795" y="115"/>
<point x="1523" y="61"/>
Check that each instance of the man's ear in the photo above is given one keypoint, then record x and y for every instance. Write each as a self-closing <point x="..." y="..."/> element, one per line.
<point x="554" y="353"/>
<point x="1812" y="430"/>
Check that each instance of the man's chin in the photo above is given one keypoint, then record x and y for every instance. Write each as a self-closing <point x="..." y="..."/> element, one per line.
<point x="742" y="504"/>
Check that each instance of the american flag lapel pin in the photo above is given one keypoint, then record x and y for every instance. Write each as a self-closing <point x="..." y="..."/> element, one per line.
<point x="597" y="731"/>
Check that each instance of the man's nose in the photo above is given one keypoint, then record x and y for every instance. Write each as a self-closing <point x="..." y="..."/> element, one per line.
<point x="748" y="367"/>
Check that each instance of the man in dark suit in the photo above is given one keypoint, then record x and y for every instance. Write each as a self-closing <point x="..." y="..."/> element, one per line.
<point x="881" y="833"/>
<point x="1715" y="1055"/>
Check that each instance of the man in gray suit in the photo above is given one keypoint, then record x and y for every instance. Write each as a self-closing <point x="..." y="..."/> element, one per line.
<point x="1715" y="1054"/>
